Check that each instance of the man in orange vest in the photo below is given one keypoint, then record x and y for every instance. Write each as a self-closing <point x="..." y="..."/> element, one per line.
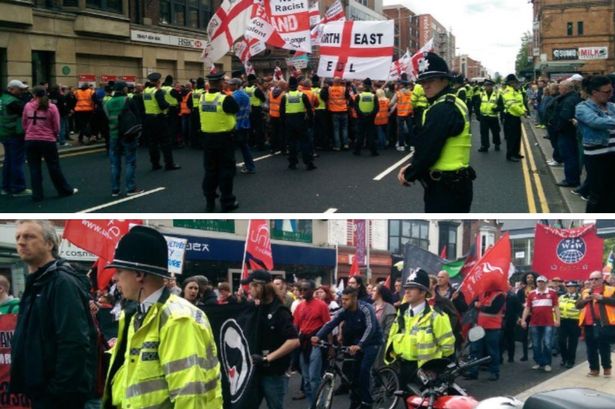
<point x="337" y="97"/>
<point x="84" y="111"/>
<point x="490" y="306"/>
<point x="185" y="114"/>
<point x="597" y="317"/>
<point x="278" y="136"/>
<point x="403" y="101"/>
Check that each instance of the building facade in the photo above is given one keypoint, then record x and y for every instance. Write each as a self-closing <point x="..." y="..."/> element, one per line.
<point x="68" y="41"/>
<point x="469" y="67"/>
<point x="406" y="32"/>
<point x="443" y="39"/>
<point x="573" y="37"/>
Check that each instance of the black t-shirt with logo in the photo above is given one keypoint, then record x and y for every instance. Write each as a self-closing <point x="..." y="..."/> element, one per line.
<point x="275" y="328"/>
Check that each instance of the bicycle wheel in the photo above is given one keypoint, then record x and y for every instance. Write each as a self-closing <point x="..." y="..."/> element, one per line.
<point x="324" y="396"/>
<point x="386" y="383"/>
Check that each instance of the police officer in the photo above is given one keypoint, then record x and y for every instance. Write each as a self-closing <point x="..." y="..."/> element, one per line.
<point x="569" y="330"/>
<point x="441" y="160"/>
<point x="217" y="111"/>
<point x="419" y="105"/>
<point x="296" y="113"/>
<point x="460" y="90"/>
<point x="165" y="354"/>
<point x="490" y="106"/>
<point x="367" y="108"/>
<point x="197" y="92"/>
<point x="322" y="119"/>
<point x="156" y="126"/>
<point x="420" y="333"/>
<point x="514" y="109"/>
<point x="172" y="116"/>
<point x="257" y="97"/>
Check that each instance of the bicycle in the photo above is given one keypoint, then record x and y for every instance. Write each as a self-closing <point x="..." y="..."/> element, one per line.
<point x="385" y="381"/>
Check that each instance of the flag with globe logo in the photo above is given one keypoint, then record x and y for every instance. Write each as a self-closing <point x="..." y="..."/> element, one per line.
<point x="568" y="253"/>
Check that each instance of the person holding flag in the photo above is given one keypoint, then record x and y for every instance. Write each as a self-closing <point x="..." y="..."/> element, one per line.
<point x="441" y="160"/>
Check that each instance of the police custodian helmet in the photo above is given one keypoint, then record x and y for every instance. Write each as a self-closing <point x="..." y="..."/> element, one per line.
<point x="431" y="65"/>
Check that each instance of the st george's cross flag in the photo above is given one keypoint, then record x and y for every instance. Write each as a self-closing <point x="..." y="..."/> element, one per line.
<point x="335" y="12"/>
<point x="248" y="47"/>
<point x="356" y="49"/>
<point x="226" y="26"/>
<point x="413" y="67"/>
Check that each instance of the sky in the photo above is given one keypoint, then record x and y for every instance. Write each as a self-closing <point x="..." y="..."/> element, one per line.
<point x="489" y="31"/>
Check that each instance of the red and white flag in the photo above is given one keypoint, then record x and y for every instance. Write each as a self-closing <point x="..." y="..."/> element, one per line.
<point x="413" y="68"/>
<point x="283" y="24"/>
<point x="335" y="12"/>
<point x="248" y="47"/>
<point x="249" y="68"/>
<point x="490" y="273"/>
<point x="314" y="14"/>
<point x="258" y="245"/>
<point x="400" y="66"/>
<point x="356" y="49"/>
<point x="226" y="26"/>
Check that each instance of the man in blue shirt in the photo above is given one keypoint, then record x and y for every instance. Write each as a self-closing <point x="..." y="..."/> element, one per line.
<point x="242" y="129"/>
<point x="364" y="335"/>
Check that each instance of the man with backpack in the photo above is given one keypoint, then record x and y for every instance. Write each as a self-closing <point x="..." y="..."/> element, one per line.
<point x="124" y="131"/>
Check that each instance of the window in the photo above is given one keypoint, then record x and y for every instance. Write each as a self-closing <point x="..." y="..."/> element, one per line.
<point x="580" y="28"/>
<point x="569" y="28"/>
<point x="71" y="3"/>
<point x="522" y="251"/>
<point x="447" y="239"/>
<point x="292" y="230"/>
<point x="186" y="13"/>
<point x="43" y="63"/>
<point x="114" y="6"/>
<point x="415" y="232"/>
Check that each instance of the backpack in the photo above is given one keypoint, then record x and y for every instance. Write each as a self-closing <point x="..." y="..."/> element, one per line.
<point x="129" y="125"/>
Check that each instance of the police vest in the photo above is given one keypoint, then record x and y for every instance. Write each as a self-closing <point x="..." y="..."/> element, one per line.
<point x="608" y="309"/>
<point x="421" y="338"/>
<point x="337" y="99"/>
<point x="469" y="92"/>
<point x="404" y="103"/>
<point x="150" y="103"/>
<point x="84" y="100"/>
<point x="251" y="91"/>
<point x="487" y="320"/>
<point x="488" y="104"/>
<point x="196" y="97"/>
<point x="274" y="104"/>
<point x="171" y="100"/>
<point x="213" y="117"/>
<point x="419" y="100"/>
<point x="513" y="102"/>
<point x="567" y="307"/>
<point x="367" y="102"/>
<point x="294" y="102"/>
<point x="456" y="152"/>
<point x="170" y="360"/>
<point x="321" y="104"/>
<point x="10" y="124"/>
<point x="382" y="117"/>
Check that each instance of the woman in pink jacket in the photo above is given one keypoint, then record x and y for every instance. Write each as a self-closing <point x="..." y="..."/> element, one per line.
<point x="41" y="124"/>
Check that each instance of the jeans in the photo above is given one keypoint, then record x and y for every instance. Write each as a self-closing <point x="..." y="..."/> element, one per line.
<point x="118" y="148"/>
<point x="311" y="370"/>
<point x="598" y="347"/>
<point x="242" y="141"/>
<point x="63" y="130"/>
<point x="569" y="151"/>
<point x="340" y="122"/>
<point x="361" y="375"/>
<point x="13" y="176"/>
<point x="405" y="138"/>
<point x="490" y="343"/>
<point x="186" y="123"/>
<point x="542" y="341"/>
<point x="273" y="388"/>
<point x="36" y="151"/>
<point x="382" y="136"/>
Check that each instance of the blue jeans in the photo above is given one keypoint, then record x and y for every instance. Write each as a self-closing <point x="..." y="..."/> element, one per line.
<point x="491" y="344"/>
<point x="382" y="135"/>
<point x="118" y="148"/>
<point x="13" y="176"/>
<point x="242" y="141"/>
<point x="569" y="151"/>
<point x="273" y="389"/>
<point x="405" y="137"/>
<point x="186" y="122"/>
<point x="63" y="130"/>
<point x="311" y="370"/>
<point x="542" y="340"/>
<point x="340" y="121"/>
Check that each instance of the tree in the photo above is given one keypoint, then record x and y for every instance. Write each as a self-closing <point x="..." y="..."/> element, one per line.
<point x="609" y="245"/>
<point x="524" y="60"/>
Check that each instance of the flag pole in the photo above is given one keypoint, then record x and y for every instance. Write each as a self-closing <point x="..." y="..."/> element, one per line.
<point x="368" y="272"/>
<point x="245" y="250"/>
<point x="336" y="264"/>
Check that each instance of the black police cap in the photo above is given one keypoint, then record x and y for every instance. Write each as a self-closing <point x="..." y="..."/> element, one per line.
<point x="216" y="77"/>
<point x="154" y="76"/>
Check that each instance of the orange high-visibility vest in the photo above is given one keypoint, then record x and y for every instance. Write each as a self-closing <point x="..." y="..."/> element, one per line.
<point x="404" y="104"/>
<point x="610" y="310"/>
<point x="310" y="96"/>
<point x="337" y="99"/>
<point x="84" y="100"/>
<point x="490" y="321"/>
<point x="183" y="105"/>
<point x="382" y="117"/>
<point x="274" y="105"/>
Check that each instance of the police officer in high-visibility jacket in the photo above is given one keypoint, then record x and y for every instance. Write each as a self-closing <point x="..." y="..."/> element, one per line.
<point x="420" y="333"/>
<point x="419" y="105"/>
<point x="441" y="161"/>
<point x="156" y="127"/>
<point x="257" y="97"/>
<point x="165" y="355"/>
<point x="296" y="113"/>
<point x="367" y="108"/>
<point x="514" y="109"/>
<point x="322" y="118"/>
<point x="217" y="111"/>
<point x="195" y="130"/>
<point x="490" y="106"/>
<point x="569" y="330"/>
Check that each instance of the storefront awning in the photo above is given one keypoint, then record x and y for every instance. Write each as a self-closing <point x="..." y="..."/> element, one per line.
<point x="561" y="66"/>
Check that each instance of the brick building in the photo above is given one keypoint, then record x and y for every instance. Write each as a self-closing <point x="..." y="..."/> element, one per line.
<point x="444" y="41"/>
<point x="573" y="36"/>
<point x="469" y="67"/>
<point x="60" y="40"/>
<point x="406" y="30"/>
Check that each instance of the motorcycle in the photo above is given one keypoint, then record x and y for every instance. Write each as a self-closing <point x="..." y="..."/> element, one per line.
<point x="567" y="398"/>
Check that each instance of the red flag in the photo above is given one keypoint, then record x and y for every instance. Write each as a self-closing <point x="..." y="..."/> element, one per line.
<point x="490" y="272"/>
<point x="443" y="252"/>
<point x="354" y="268"/>
<point x="99" y="237"/>
<point x="472" y="258"/>
<point x="387" y="282"/>
<point x="568" y="253"/>
<point x="258" y="245"/>
<point x="8" y="323"/>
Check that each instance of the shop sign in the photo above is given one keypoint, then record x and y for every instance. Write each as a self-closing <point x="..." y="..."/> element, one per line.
<point x="560" y="54"/>
<point x="593" y="53"/>
<point x="71" y="252"/>
<point x="107" y="78"/>
<point x="89" y="79"/>
<point x="166" y="39"/>
<point x="226" y="226"/>
<point x="129" y="79"/>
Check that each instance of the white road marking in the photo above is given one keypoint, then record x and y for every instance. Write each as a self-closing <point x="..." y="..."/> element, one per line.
<point x="395" y="166"/>
<point x="102" y="206"/>
<point x="260" y="158"/>
<point x="331" y="210"/>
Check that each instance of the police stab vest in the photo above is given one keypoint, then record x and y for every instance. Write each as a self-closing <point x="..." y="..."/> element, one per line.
<point x="567" y="307"/>
<point x="213" y="117"/>
<point x="171" y="100"/>
<point x="251" y="91"/>
<point x="149" y="101"/>
<point x="367" y="102"/>
<point x="294" y="102"/>
<point x="489" y="104"/>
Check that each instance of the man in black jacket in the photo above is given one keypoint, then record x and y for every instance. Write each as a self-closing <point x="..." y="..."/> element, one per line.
<point x="54" y="345"/>
<point x="567" y="134"/>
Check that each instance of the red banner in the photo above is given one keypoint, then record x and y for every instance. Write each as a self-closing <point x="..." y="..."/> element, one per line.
<point x="354" y="268"/>
<point x="490" y="273"/>
<point x="8" y="322"/>
<point x="570" y="254"/>
<point x="258" y="245"/>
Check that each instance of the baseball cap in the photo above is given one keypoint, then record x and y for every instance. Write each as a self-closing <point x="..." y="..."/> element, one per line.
<point x="257" y="276"/>
<point x="16" y="84"/>
<point x="577" y="77"/>
<point x="542" y="278"/>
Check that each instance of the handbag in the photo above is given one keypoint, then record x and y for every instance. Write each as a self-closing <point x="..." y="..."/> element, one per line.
<point x="129" y="126"/>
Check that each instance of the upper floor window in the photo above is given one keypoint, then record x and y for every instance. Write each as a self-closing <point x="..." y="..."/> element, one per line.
<point x="580" y="30"/>
<point x="114" y="6"/>
<point x="569" y="28"/>
<point x="186" y="13"/>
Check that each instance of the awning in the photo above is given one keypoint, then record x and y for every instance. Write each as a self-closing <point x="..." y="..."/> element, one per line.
<point x="561" y="66"/>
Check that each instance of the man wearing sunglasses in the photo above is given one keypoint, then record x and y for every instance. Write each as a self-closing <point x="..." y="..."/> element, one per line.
<point x="597" y="306"/>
